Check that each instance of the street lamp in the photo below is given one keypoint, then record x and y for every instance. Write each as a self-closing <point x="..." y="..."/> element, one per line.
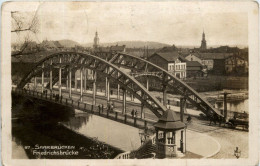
<point x="237" y="153"/>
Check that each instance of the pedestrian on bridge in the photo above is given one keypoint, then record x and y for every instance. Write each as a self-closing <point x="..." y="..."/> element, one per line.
<point x="189" y="119"/>
<point x="108" y="106"/>
<point x="99" y="108"/>
<point x="112" y="107"/>
<point x="132" y="113"/>
<point x="136" y="113"/>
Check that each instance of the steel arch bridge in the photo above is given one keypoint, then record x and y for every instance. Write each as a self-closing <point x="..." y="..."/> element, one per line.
<point x="61" y="64"/>
<point x="110" y="64"/>
<point x="141" y="67"/>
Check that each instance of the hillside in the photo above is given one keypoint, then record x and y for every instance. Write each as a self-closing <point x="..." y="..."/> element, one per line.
<point x="68" y="43"/>
<point x="132" y="44"/>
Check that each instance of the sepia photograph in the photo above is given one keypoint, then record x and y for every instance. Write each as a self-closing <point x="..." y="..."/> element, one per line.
<point x="131" y="80"/>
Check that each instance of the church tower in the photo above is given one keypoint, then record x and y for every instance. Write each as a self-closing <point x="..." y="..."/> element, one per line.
<point x="203" y="42"/>
<point x="96" y="41"/>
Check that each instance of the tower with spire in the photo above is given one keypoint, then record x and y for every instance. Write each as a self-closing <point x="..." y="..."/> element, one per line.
<point x="96" y="41"/>
<point x="203" y="42"/>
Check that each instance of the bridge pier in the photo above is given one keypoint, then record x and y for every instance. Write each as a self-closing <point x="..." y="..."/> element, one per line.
<point x="94" y="88"/>
<point x="142" y="111"/>
<point x="85" y="79"/>
<point x="70" y="82"/>
<point x="182" y="107"/>
<point x="147" y="83"/>
<point x="164" y="95"/>
<point x="75" y="81"/>
<point x="67" y="82"/>
<point x="132" y="95"/>
<point x="60" y="79"/>
<point x="81" y="84"/>
<point x="106" y="87"/>
<point x="108" y="90"/>
<point x="124" y="101"/>
<point x="118" y="89"/>
<point x="42" y="78"/>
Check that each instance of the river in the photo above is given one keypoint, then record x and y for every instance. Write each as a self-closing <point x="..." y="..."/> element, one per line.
<point x="240" y="106"/>
<point x="39" y="127"/>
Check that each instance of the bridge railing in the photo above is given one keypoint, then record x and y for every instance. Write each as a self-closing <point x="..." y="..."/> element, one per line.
<point x="86" y="107"/>
<point x="141" y="151"/>
<point x="125" y="155"/>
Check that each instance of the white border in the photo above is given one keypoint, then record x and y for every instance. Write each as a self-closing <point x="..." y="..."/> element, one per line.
<point x="253" y="37"/>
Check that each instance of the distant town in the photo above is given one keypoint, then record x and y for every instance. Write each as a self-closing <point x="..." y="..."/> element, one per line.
<point x="189" y="64"/>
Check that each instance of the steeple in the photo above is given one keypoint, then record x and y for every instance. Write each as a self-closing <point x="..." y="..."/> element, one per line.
<point x="96" y="41"/>
<point x="203" y="42"/>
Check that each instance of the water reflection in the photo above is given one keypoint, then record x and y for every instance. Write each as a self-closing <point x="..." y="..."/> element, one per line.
<point x="235" y="106"/>
<point x="116" y="134"/>
<point x="38" y="123"/>
<point x="76" y="122"/>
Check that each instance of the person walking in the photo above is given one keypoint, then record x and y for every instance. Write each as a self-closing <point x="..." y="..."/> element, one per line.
<point x="132" y="113"/>
<point x="99" y="108"/>
<point x="136" y="113"/>
<point x="189" y="119"/>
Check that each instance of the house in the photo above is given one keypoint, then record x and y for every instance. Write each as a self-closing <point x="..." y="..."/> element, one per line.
<point x="170" y="61"/>
<point x="193" y="57"/>
<point x="194" y="69"/>
<point x="208" y="59"/>
<point x="236" y="64"/>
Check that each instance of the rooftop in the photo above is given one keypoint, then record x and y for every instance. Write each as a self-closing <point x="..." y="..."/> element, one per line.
<point x="170" y="56"/>
<point x="169" y="120"/>
<point x="212" y="55"/>
<point x="193" y="64"/>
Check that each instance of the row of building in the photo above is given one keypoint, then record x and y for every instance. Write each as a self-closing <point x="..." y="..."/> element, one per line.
<point x="199" y="64"/>
<point x="193" y="63"/>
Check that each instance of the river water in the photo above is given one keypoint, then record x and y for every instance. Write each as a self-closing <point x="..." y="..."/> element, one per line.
<point x="116" y="134"/>
<point x="240" y="106"/>
<point x="36" y="124"/>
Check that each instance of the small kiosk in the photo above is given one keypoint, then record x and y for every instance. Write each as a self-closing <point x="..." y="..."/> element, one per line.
<point x="170" y="136"/>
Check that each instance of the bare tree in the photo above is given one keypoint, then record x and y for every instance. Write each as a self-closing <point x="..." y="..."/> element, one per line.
<point x="24" y="27"/>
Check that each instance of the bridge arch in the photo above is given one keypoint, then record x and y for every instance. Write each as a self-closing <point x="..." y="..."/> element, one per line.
<point x="143" y="67"/>
<point x="71" y="60"/>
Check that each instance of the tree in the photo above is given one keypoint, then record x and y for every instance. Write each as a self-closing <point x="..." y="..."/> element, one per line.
<point x="24" y="27"/>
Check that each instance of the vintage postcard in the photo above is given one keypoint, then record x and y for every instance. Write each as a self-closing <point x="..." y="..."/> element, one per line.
<point x="130" y="83"/>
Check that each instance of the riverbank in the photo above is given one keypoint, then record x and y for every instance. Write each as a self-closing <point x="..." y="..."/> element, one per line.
<point x="51" y="136"/>
<point x="35" y="125"/>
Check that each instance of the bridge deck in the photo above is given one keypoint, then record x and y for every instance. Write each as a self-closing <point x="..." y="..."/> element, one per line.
<point x="85" y="107"/>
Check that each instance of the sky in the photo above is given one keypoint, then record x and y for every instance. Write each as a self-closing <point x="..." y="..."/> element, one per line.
<point x="170" y="23"/>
